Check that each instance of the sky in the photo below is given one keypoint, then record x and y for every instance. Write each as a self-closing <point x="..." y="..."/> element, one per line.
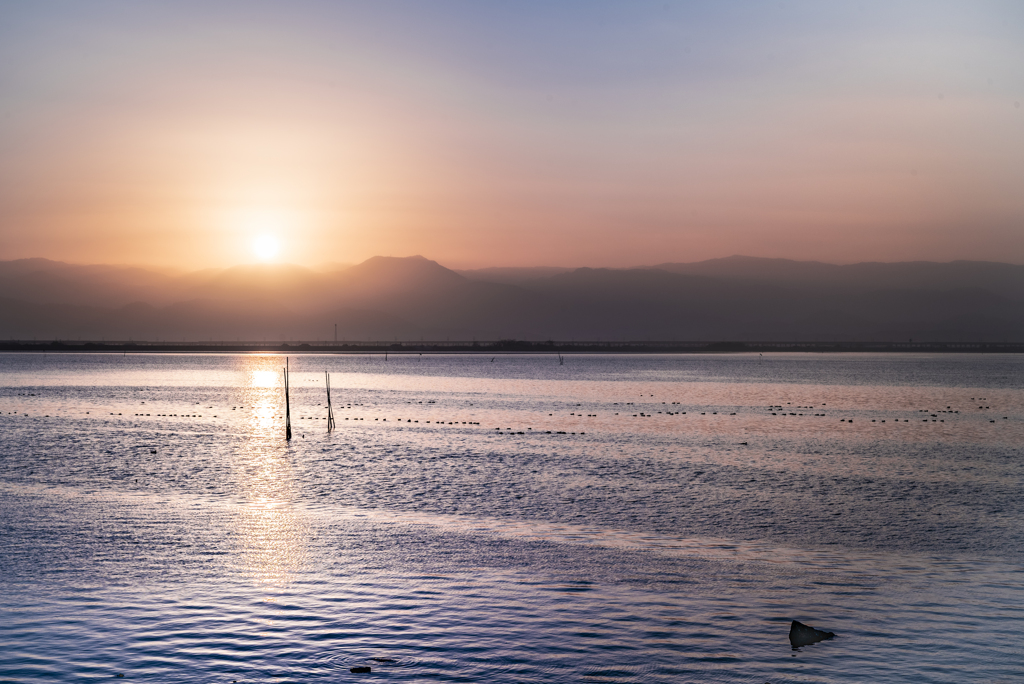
<point x="193" y="135"/>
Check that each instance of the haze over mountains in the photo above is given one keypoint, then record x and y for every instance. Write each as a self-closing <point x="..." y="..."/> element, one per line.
<point x="409" y="299"/>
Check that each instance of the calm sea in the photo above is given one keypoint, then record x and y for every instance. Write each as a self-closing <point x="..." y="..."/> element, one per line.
<point x="501" y="519"/>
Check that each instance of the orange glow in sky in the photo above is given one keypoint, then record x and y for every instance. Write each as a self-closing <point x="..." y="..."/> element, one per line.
<point x="195" y="135"/>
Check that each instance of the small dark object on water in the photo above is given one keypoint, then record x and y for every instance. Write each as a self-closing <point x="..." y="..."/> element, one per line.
<point x="382" y="660"/>
<point x="119" y="675"/>
<point x="359" y="670"/>
<point x="803" y="635"/>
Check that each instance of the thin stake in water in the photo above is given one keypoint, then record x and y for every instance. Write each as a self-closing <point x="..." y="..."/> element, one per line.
<point x="330" y="410"/>
<point x="287" y="405"/>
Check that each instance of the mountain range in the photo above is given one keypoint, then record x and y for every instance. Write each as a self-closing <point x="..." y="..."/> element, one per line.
<point x="413" y="298"/>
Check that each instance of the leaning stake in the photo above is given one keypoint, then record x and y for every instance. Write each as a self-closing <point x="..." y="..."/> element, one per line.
<point x="330" y="410"/>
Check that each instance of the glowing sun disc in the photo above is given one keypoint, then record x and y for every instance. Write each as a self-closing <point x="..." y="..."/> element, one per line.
<point x="265" y="247"/>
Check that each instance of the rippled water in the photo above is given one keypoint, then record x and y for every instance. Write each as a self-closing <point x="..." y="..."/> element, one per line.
<point x="510" y="519"/>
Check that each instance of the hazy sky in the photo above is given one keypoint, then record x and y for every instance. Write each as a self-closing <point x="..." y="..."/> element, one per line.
<point x="511" y="133"/>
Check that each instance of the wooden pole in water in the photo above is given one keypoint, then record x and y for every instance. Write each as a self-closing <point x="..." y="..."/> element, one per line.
<point x="287" y="405"/>
<point x="330" y="410"/>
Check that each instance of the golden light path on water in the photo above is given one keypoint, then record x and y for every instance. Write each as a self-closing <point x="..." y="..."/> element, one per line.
<point x="273" y="534"/>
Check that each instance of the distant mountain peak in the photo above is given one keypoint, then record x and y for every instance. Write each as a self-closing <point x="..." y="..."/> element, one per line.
<point x="387" y="266"/>
<point x="416" y="258"/>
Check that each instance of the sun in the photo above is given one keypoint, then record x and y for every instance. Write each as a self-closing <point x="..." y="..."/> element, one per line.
<point x="266" y="247"/>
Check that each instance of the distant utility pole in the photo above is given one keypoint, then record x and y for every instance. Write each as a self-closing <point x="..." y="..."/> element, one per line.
<point x="335" y="333"/>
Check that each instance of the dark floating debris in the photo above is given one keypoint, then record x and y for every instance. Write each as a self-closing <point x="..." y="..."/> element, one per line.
<point x="359" y="670"/>
<point x="804" y="635"/>
<point x="383" y="660"/>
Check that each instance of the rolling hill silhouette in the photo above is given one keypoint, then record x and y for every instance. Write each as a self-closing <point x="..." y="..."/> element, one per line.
<point x="413" y="298"/>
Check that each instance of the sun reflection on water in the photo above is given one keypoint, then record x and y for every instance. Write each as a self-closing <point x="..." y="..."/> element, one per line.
<point x="273" y="534"/>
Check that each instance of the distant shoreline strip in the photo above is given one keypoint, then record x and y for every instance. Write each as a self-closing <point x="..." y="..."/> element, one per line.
<point x="507" y="346"/>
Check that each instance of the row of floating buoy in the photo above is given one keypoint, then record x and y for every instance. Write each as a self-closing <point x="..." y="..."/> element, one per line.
<point x="538" y="432"/>
<point x="775" y="408"/>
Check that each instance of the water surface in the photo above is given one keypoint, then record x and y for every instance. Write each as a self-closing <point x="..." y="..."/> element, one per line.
<point x="509" y="519"/>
